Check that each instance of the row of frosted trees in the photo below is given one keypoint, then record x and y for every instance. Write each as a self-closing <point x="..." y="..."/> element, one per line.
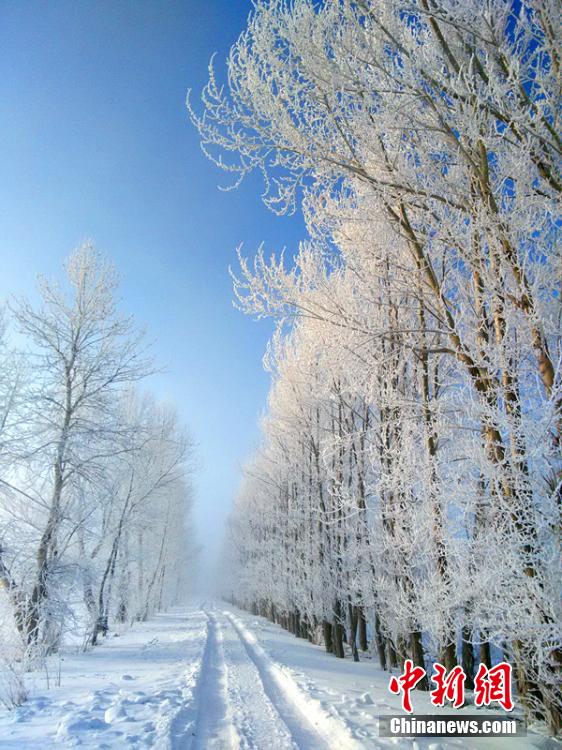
<point x="407" y="488"/>
<point x="94" y="475"/>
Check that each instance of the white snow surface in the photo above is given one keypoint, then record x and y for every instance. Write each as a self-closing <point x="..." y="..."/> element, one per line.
<point x="211" y="676"/>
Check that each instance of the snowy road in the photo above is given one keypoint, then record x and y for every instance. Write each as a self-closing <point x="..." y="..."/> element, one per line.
<point x="255" y="720"/>
<point x="210" y="677"/>
<point x="246" y="701"/>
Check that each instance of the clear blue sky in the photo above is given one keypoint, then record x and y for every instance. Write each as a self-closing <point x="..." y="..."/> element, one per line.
<point x="96" y="144"/>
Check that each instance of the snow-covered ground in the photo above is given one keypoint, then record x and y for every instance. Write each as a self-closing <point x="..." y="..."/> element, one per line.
<point x="211" y="676"/>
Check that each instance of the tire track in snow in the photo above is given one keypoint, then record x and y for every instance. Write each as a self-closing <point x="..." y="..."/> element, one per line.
<point x="259" y="725"/>
<point x="310" y="726"/>
<point x="174" y="728"/>
<point x="213" y="728"/>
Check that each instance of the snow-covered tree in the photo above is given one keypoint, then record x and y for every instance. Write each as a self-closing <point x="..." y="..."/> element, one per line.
<point x="94" y="477"/>
<point x="421" y="141"/>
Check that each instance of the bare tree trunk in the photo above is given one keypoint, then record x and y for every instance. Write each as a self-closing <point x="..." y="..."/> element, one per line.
<point x="158" y="564"/>
<point x="328" y="639"/>
<point x="338" y="633"/>
<point x="161" y="592"/>
<point x="379" y="641"/>
<point x="468" y="658"/>
<point x="363" y="643"/>
<point x="418" y="658"/>
<point x="17" y="599"/>
<point x="47" y="550"/>
<point x="352" y="614"/>
<point x="140" y="580"/>
<point x="484" y="651"/>
<point x="391" y="655"/>
<point x="101" y="625"/>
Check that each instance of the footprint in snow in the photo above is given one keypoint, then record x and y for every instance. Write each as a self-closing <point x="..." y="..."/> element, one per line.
<point x="72" y="725"/>
<point x="39" y="702"/>
<point x="366" y="700"/>
<point x="140" y="698"/>
<point x="115" y="713"/>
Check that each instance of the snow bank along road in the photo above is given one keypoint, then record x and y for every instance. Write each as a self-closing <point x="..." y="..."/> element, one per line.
<point x="212" y="677"/>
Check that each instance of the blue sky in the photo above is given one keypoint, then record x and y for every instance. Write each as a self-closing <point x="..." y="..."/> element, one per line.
<point x="96" y="144"/>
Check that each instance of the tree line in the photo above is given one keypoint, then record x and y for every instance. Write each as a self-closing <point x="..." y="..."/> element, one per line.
<point x="407" y="487"/>
<point x="95" y="474"/>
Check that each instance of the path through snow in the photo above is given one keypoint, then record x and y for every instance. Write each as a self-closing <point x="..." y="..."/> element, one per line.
<point x="214" y="678"/>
